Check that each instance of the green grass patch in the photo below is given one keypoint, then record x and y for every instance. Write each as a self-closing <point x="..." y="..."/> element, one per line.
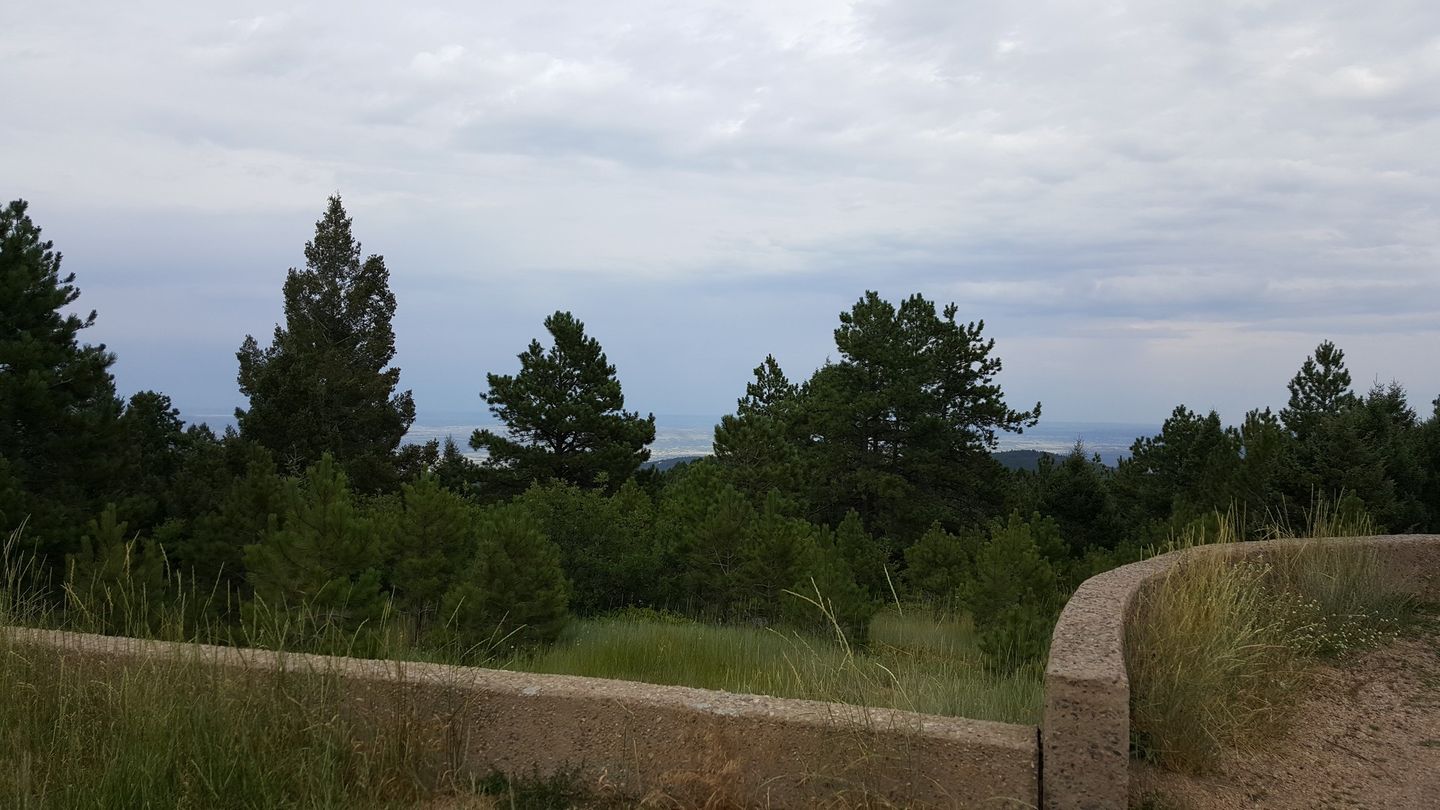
<point x="915" y="661"/>
<point x="77" y="733"/>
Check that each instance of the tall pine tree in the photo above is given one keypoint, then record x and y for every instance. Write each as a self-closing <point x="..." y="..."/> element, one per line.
<point x="755" y="445"/>
<point x="60" y="436"/>
<point x="899" y="429"/>
<point x="324" y="385"/>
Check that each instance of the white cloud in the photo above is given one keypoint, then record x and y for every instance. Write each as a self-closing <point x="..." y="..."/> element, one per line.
<point x="1249" y="165"/>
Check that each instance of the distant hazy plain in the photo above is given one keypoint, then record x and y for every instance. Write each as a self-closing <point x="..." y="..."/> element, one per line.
<point x="691" y="435"/>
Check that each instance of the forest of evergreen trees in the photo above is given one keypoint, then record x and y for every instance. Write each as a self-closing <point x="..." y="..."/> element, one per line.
<point x="870" y="481"/>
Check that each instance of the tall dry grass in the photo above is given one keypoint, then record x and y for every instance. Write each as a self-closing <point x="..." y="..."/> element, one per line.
<point x="1219" y="649"/>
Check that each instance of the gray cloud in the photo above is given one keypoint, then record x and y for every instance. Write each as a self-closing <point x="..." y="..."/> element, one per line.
<point x="1141" y="181"/>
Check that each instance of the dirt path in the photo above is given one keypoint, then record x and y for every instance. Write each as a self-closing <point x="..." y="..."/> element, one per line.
<point x="1367" y="736"/>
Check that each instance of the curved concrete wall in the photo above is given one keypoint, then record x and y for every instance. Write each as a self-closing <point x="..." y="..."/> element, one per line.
<point x="699" y="746"/>
<point x="1085" y="733"/>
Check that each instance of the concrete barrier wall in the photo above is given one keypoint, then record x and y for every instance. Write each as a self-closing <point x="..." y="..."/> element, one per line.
<point x="717" y="748"/>
<point x="1085" y="733"/>
<point x="699" y="746"/>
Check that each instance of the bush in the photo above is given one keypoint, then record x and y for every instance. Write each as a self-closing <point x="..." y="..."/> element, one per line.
<point x="939" y="566"/>
<point x="1014" y="596"/>
<point x="325" y="555"/>
<point x="514" y="592"/>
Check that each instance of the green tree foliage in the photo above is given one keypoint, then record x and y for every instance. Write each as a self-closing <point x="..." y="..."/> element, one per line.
<point x="776" y="556"/>
<point x="1331" y="454"/>
<point x="734" y="562"/>
<point x="1427" y="442"/>
<point x="1335" y="459"/>
<point x="939" y="565"/>
<point x="904" y="422"/>
<point x="1320" y="389"/>
<point x="1014" y="595"/>
<point x="564" y="415"/>
<point x="323" y="386"/>
<point x="209" y="467"/>
<point x="1327" y="445"/>
<point x="514" y="592"/>
<point x="899" y="429"/>
<point x="223" y="499"/>
<point x="1390" y="427"/>
<point x="14" y="500"/>
<point x="432" y="539"/>
<point x="1265" y="455"/>
<point x="866" y="557"/>
<point x="1076" y="493"/>
<point x="323" y="555"/>
<point x="60" y="438"/>
<point x="157" y="442"/>
<point x="117" y="579"/>
<point x="606" y="544"/>
<point x="454" y="471"/>
<point x="832" y="599"/>
<point x="1186" y="471"/>
<point x="702" y="527"/>
<point x="756" y="446"/>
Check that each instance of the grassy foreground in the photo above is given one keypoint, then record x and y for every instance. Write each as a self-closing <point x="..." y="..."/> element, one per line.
<point x="170" y="734"/>
<point x="915" y="661"/>
<point x="176" y="734"/>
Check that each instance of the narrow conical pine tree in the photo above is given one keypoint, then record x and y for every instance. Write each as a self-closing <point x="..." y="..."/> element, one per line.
<point x="324" y="385"/>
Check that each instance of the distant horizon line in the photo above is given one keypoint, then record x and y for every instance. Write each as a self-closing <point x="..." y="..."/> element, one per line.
<point x="434" y="419"/>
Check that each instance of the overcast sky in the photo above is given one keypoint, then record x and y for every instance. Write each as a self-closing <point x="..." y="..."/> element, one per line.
<point x="1148" y="203"/>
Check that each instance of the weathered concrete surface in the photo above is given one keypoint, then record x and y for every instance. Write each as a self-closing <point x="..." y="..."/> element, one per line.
<point x="697" y="746"/>
<point x="1085" y="732"/>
